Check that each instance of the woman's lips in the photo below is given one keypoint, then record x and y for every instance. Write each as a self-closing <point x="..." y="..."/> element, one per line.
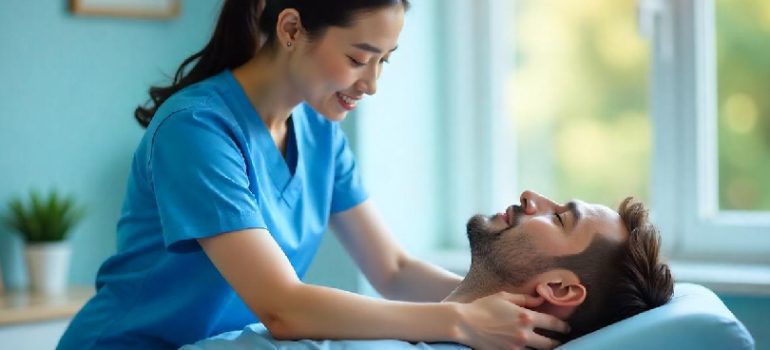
<point x="347" y="102"/>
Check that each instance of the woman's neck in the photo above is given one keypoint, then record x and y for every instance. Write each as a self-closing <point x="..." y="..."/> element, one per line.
<point x="265" y="80"/>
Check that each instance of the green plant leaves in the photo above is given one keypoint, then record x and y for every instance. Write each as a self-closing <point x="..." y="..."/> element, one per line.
<point x="46" y="219"/>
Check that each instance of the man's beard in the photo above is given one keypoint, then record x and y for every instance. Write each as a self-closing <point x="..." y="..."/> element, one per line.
<point x="507" y="254"/>
<point x="480" y="235"/>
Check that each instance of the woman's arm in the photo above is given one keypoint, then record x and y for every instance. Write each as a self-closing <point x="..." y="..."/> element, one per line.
<point x="254" y="265"/>
<point x="391" y="271"/>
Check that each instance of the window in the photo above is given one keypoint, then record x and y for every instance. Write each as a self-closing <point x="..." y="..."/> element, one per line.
<point x="743" y="84"/>
<point x="578" y="99"/>
<point x="684" y="111"/>
<point x="692" y="173"/>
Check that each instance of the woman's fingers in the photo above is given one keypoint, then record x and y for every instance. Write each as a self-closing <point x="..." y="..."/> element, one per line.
<point x="507" y="322"/>
<point x="538" y="341"/>
<point x="523" y="300"/>
<point x="546" y="321"/>
<point x="540" y="320"/>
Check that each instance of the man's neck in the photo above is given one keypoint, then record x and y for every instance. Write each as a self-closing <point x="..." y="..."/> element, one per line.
<point x="479" y="283"/>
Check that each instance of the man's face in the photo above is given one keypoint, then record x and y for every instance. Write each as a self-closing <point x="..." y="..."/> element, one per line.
<point x="537" y="229"/>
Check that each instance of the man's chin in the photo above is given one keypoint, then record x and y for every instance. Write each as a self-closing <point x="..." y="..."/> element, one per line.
<point x="486" y="225"/>
<point x="479" y="229"/>
<point x="478" y="225"/>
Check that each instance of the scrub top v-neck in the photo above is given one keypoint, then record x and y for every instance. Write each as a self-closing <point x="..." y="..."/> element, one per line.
<point x="207" y="165"/>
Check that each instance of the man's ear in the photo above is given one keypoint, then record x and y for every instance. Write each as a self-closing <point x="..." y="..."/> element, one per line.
<point x="289" y="27"/>
<point x="561" y="288"/>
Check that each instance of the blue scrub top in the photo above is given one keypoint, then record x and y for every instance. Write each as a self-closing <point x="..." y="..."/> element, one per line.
<point x="207" y="165"/>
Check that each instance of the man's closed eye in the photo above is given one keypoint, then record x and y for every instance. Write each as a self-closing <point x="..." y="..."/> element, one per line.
<point x="560" y="220"/>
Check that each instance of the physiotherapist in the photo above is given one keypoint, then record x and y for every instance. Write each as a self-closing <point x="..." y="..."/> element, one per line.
<point x="242" y="168"/>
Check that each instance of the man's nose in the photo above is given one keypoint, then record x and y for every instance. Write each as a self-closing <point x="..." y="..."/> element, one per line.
<point x="534" y="203"/>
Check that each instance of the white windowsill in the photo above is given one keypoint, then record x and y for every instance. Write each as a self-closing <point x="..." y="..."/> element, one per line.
<point x="725" y="278"/>
<point x="722" y="278"/>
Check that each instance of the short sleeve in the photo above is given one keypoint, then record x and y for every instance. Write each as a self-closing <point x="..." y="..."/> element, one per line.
<point x="348" y="190"/>
<point x="199" y="179"/>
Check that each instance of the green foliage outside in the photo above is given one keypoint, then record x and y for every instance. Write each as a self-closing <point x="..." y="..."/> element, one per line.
<point x="582" y="112"/>
<point x="47" y="219"/>
<point x="743" y="70"/>
<point x="580" y="99"/>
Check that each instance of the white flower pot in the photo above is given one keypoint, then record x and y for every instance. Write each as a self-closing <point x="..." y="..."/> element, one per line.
<point x="48" y="267"/>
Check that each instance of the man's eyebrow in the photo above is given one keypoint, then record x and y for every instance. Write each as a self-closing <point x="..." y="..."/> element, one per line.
<point x="572" y="206"/>
<point x="371" y="48"/>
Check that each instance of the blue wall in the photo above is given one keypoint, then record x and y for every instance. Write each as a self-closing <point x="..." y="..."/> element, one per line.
<point x="753" y="312"/>
<point x="69" y="88"/>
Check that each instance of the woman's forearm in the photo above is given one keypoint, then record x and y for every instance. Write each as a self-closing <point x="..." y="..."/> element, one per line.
<point x="315" y="312"/>
<point x="253" y="264"/>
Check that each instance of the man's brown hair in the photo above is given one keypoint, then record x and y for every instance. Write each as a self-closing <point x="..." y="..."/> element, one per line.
<point x="621" y="281"/>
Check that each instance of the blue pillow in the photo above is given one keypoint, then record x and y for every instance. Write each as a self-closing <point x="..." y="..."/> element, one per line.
<point x="694" y="319"/>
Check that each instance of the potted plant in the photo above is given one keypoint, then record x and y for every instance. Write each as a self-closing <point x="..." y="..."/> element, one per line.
<point x="44" y="224"/>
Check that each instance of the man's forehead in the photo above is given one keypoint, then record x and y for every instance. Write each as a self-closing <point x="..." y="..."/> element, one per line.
<point x="600" y="209"/>
<point x="608" y="221"/>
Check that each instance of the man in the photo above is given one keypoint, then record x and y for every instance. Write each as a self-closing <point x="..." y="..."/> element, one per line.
<point x="590" y="265"/>
<point x="583" y="263"/>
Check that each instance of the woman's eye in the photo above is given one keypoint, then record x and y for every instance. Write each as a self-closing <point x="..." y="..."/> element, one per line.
<point x="384" y="60"/>
<point x="355" y="62"/>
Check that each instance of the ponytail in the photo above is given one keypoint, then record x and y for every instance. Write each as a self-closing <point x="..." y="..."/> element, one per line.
<point x="234" y="42"/>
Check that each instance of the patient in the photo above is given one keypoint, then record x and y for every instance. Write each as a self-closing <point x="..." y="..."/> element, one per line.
<point x="584" y="263"/>
<point x="591" y="266"/>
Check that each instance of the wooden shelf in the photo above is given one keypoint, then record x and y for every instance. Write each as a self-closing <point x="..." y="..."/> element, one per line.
<point x="24" y="307"/>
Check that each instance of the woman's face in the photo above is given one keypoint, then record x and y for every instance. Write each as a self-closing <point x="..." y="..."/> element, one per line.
<point x="334" y="72"/>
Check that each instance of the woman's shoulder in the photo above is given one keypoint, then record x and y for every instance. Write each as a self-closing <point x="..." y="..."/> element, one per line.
<point x="203" y="95"/>
<point x="202" y="101"/>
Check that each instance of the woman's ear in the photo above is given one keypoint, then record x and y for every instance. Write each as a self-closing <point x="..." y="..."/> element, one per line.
<point x="561" y="290"/>
<point x="289" y="28"/>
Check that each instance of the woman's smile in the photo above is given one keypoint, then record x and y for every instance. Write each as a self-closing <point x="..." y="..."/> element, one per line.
<point x="347" y="102"/>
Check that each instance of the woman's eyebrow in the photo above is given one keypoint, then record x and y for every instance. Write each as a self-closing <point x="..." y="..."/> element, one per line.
<point x="371" y="48"/>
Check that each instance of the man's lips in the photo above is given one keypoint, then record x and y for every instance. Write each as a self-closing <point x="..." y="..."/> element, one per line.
<point x="508" y="215"/>
<point x="504" y="215"/>
<point x="511" y="214"/>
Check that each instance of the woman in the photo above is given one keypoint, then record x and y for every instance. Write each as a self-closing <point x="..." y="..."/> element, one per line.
<point x="241" y="169"/>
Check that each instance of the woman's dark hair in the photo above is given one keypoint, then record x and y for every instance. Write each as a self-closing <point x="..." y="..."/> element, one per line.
<point x="237" y="35"/>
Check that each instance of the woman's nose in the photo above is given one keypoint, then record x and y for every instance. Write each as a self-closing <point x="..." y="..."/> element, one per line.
<point x="534" y="203"/>
<point x="368" y="83"/>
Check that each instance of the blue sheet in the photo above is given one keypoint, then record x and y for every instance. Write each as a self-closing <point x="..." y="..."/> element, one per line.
<point x="256" y="337"/>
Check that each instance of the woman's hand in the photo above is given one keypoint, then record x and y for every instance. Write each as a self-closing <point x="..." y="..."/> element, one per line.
<point x="501" y="321"/>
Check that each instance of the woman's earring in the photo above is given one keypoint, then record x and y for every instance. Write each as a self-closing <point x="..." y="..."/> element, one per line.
<point x="288" y="44"/>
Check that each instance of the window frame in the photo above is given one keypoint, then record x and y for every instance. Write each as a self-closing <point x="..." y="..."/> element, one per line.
<point x="685" y="176"/>
<point x="478" y="158"/>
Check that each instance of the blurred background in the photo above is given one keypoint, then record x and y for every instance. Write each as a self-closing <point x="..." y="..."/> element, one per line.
<point x="550" y="95"/>
<point x="581" y="77"/>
